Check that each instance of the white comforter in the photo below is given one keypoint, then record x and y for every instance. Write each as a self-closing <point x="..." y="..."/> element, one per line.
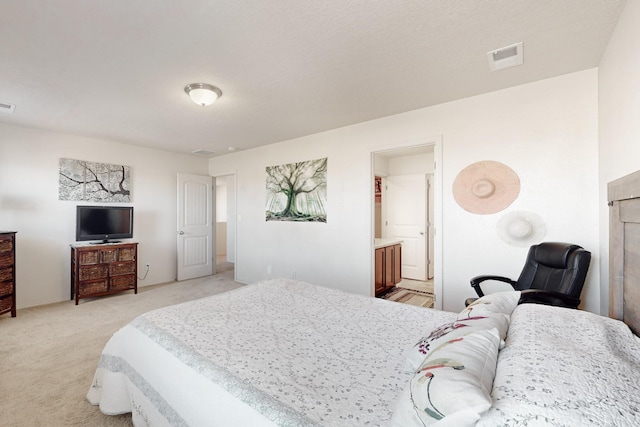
<point x="563" y="367"/>
<point x="275" y="353"/>
<point x="291" y="354"/>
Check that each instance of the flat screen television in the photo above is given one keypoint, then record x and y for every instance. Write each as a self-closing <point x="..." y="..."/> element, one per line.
<point x="104" y="223"/>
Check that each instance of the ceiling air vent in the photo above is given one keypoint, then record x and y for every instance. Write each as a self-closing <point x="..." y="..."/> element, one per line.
<point x="203" y="152"/>
<point x="7" y="108"/>
<point x="505" y="57"/>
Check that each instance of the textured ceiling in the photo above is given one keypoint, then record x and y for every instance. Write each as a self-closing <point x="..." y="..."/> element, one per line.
<point x="287" y="68"/>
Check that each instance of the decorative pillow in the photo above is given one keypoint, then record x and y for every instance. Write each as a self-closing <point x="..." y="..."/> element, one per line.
<point x="499" y="302"/>
<point x="453" y="385"/>
<point x="458" y="328"/>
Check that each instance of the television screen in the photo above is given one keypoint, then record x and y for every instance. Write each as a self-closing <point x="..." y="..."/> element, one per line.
<point x="104" y="223"/>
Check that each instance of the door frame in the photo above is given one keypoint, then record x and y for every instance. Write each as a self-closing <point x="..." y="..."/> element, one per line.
<point x="235" y="222"/>
<point x="436" y="142"/>
<point x="430" y="226"/>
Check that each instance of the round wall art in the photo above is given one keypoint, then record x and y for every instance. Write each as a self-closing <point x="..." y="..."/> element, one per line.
<point x="521" y="228"/>
<point x="486" y="187"/>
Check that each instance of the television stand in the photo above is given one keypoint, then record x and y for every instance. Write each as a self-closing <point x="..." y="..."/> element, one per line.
<point x="102" y="269"/>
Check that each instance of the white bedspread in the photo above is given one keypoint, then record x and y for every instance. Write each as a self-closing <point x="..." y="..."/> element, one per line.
<point x="279" y="352"/>
<point x="563" y="367"/>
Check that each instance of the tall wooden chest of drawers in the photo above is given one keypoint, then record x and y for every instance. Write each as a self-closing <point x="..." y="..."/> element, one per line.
<point x="103" y="269"/>
<point x="8" y="272"/>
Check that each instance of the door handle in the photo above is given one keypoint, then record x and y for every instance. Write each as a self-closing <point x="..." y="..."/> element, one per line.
<point x="181" y="233"/>
<point x="422" y="233"/>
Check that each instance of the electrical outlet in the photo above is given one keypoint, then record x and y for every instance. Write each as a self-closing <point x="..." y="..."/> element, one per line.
<point x="268" y="269"/>
<point x="147" y="265"/>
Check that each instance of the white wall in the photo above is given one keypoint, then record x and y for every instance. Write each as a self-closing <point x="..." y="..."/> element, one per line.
<point x="407" y="165"/>
<point x="221" y="216"/>
<point x="401" y="164"/>
<point x="29" y="167"/>
<point x="221" y="238"/>
<point x="619" y="123"/>
<point x="221" y="200"/>
<point x="546" y="131"/>
<point x="231" y="218"/>
<point x="225" y="217"/>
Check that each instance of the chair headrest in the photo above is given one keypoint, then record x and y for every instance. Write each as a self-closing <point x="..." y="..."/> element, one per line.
<point x="554" y="254"/>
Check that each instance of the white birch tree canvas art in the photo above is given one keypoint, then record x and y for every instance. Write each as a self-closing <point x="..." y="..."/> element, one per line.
<point x="93" y="182"/>
<point x="297" y="191"/>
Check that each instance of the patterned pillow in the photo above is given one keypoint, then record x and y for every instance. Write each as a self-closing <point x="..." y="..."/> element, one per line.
<point x="458" y="328"/>
<point x="453" y="385"/>
<point x="499" y="302"/>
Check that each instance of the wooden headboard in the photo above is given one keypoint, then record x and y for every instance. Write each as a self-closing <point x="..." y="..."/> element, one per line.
<point x="624" y="250"/>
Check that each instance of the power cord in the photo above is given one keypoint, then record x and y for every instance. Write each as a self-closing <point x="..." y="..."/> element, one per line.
<point x="145" y="273"/>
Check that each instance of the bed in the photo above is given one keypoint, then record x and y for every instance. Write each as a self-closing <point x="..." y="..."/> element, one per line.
<point x="288" y="353"/>
<point x="279" y="352"/>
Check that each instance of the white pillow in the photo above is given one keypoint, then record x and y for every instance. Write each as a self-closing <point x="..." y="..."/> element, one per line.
<point x="499" y="302"/>
<point x="453" y="386"/>
<point x="448" y="331"/>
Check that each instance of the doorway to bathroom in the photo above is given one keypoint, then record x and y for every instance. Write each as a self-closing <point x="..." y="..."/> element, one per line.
<point x="404" y="212"/>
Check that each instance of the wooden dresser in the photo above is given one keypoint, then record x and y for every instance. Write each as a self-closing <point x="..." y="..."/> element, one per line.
<point x="103" y="269"/>
<point x="8" y="272"/>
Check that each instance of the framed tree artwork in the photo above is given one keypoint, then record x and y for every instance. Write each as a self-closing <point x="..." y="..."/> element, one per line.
<point x="297" y="191"/>
<point x="93" y="182"/>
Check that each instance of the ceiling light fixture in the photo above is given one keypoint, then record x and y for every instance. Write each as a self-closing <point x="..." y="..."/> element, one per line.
<point x="202" y="94"/>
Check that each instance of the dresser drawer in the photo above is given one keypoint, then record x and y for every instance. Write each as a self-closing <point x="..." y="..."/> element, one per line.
<point x="120" y="268"/>
<point x="6" y="274"/>
<point x="89" y="257"/>
<point x="6" y="245"/>
<point x="93" y="287"/>
<point x="122" y="282"/>
<point x="94" y="272"/>
<point x="6" y="259"/>
<point x="6" y="304"/>
<point x="108" y="256"/>
<point x="6" y="288"/>
<point x="127" y="254"/>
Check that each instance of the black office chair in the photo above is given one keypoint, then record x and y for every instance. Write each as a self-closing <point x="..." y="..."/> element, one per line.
<point x="554" y="274"/>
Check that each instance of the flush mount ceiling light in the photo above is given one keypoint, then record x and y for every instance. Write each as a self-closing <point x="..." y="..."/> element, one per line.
<point x="202" y="94"/>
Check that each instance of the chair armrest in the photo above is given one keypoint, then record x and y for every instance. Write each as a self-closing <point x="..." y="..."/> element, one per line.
<point x="476" y="281"/>
<point x="540" y="296"/>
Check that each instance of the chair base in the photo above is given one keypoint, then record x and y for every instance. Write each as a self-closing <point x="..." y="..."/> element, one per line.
<point x="469" y="301"/>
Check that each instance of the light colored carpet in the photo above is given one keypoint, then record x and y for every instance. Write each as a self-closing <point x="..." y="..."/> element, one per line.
<point x="48" y="354"/>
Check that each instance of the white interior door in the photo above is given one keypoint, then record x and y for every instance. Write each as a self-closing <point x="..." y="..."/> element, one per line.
<point x="195" y="226"/>
<point x="405" y="208"/>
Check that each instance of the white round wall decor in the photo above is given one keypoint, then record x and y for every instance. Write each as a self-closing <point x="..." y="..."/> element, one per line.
<point x="521" y="228"/>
